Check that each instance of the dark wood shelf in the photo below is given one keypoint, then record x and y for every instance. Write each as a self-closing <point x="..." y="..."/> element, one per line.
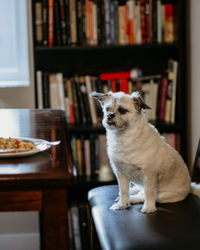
<point x="162" y="128"/>
<point x="97" y="59"/>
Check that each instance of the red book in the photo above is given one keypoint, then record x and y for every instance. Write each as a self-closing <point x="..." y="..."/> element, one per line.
<point x="124" y="85"/>
<point x="164" y="85"/>
<point x="113" y="85"/>
<point x="51" y="20"/>
<point x="143" y="21"/>
<point x="117" y="75"/>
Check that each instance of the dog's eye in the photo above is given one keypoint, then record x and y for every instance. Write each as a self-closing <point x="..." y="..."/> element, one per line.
<point x="122" y="111"/>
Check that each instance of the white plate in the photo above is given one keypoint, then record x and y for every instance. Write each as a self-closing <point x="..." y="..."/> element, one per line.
<point x="41" y="145"/>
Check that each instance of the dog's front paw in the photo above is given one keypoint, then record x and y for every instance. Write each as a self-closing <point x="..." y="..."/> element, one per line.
<point x="148" y="210"/>
<point x="119" y="206"/>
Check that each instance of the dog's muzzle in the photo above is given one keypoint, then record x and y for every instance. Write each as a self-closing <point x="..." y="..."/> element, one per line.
<point x="110" y="119"/>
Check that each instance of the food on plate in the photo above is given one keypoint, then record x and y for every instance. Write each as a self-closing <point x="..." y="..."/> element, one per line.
<point x="15" y="144"/>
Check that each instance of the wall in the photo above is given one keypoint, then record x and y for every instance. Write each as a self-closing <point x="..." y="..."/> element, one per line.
<point x="194" y="77"/>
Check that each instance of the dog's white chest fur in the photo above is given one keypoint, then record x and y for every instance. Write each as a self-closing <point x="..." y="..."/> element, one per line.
<point x="123" y="158"/>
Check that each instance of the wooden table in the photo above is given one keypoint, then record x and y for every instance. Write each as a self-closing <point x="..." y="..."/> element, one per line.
<point x="38" y="182"/>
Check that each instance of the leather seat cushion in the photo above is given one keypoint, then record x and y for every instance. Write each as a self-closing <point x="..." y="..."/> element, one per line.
<point x="173" y="226"/>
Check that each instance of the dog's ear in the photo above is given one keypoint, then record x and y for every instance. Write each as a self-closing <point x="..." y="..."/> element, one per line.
<point x="101" y="97"/>
<point x="139" y="102"/>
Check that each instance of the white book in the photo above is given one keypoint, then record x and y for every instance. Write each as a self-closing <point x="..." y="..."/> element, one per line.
<point x="91" y="101"/>
<point x="137" y="22"/>
<point x="174" y="85"/>
<point x="61" y="94"/>
<point x="87" y="157"/>
<point x="146" y="91"/>
<point x="54" y="92"/>
<point x="155" y="101"/>
<point x="94" y="18"/>
<point x="39" y="89"/>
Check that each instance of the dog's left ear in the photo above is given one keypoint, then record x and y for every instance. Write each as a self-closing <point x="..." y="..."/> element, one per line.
<point x="139" y="102"/>
<point x="101" y="97"/>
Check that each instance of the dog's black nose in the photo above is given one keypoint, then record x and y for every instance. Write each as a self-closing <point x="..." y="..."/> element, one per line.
<point x="110" y="116"/>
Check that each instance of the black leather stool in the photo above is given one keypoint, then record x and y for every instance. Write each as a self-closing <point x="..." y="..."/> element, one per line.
<point x="173" y="226"/>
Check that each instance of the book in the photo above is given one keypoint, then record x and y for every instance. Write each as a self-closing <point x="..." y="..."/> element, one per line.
<point x="63" y="22"/>
<point x="130" y="22"/>
<point x="164" y="85"/>
<point x="143" y="20"/>
<point x="57" y="24"/>
<point x="67" y="102"/>
<point x="76" y="109"/>
<point x="137" y="22"/>
<point x="45" y="21"/>
<point x="61" y="94"/>
<point x="168" y="26"/>
<point x="39" y="89"/>
<point x="149" y="16"/>
<point x="85" y="99"/>
<point x="79" y="156"/>
<point x="107" y="22"/>
<point x="50" y="23"/>
<point x="74" y="154"/>
<point x="45" y="90"/>
<point x="159" y="21"/>
<point x="53" y="88"/>
<point x="69" y="91"/>
<point x="87" y="157"/>
<point x="73" y="21"/>
<point x="174" y="87"/>
<point x="123" y="38"/>
<point x="134" y="73"/>
<point x="38" y="22"/>
<point x="91" y="101"/>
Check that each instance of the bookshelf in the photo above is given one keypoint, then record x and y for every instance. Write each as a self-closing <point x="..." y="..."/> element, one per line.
<point x="90" y="59"/>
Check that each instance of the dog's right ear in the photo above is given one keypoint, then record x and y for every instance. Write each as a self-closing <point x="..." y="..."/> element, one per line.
<point x="101" y="97"/>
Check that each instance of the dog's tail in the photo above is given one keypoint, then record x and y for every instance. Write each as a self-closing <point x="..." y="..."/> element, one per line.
<point x="195" y="189"/>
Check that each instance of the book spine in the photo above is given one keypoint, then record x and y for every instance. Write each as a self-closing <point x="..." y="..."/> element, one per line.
<point x="154" y="20"/>
<point x="159" y="21"/>
<point x="163" y="98"/>
<point x="45" y="90"/>
<point x="149" y="21"/>
<point x="69" y="90"/>
<point x="61" y="91"/>
<point x="95" y="23"/>
<point x="107" y="22"/>
<point x="57" y="24"/>
<point x="169" y="24"/>
<point x="73" y="23"/>
<point x="39" y="89"/>
<point x="63" y="22"/>
<point x="122" y="24"/>
<point x="174" y="87"/>
<point x="67" y="19"/>
<point x="87" y="157"/>
<point x="38" y="22"/>
<point x="91" y="101"/>
<point x="45" y="21"/>
<point x="51" y="23"/>
<point x="143" y="20"/>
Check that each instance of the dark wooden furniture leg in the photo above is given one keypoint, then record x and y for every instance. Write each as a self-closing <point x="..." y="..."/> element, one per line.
<point x="54" y="229"/>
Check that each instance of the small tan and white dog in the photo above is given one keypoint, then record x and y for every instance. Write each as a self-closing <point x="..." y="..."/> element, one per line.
<point x="139" y="155"/>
